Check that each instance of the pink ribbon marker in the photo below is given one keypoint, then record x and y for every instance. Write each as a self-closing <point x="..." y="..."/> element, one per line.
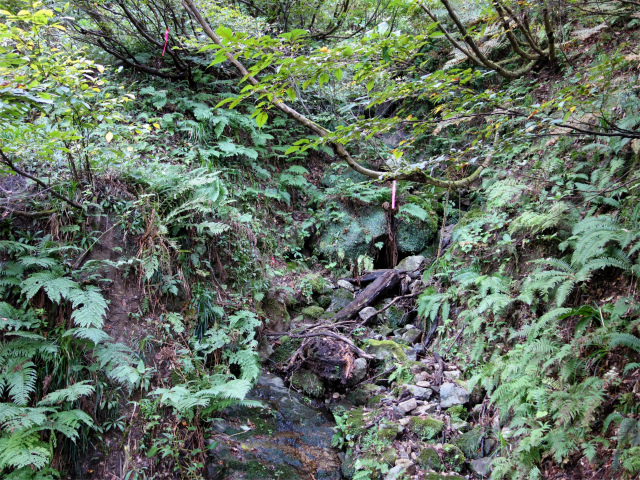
<point x="166" y="39"/>
<point x="393" y="196"/>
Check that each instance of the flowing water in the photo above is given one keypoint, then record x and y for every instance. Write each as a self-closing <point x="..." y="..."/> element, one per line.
<point x="286" y="440"/>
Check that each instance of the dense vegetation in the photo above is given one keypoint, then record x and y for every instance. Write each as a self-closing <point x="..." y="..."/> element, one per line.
<point x="179" y="179"/>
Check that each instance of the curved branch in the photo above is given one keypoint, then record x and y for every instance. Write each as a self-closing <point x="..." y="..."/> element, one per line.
<point x="417" y="176"/>
<point x="7" y="161"/>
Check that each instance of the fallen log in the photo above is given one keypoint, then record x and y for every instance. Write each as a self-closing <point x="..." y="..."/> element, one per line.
<point x="383" y="284"/>
<point x="366" y="278"/>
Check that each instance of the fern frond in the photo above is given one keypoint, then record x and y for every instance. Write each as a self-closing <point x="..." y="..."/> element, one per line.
<point x="626" y="340"/>
<point x="69" y="394"/>
<point x="19" y="377"/>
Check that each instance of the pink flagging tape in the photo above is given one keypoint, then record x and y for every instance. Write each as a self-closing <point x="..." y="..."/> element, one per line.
<point x="393" y="196"/>
<point x="166" y="39"/>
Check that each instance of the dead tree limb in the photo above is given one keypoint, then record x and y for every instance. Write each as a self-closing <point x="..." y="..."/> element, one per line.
<point x="7" y="161"/>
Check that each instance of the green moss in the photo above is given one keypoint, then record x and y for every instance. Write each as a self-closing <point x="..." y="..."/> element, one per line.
<point x="314" y="312"/>
<point x="277" y="314"/>
<point x="438" y="476"/>
<point x="429" y="458"/>
<point x="324" y="300"/>
<point x="388" y="432"/>
<point x="393" y="317"/>
<point x="350" y="234"/>
<point x="254" y="470"/>
<point x="287" y="346"/>
<point x="458" y="411"/>
<point x="453" y="455"/>
<point x="375" y="400"/>
<point x="390" y="456"/>
<point x="358" y="397"/>
<point x="413" y="236"/>
<point x="308" y="382"/>
<point x="355" y="420"/>
<point x="317" y="283"/>
<point x="425" y="427"/>
<point x="469" y="443"/>
<point x="387" y="350"/>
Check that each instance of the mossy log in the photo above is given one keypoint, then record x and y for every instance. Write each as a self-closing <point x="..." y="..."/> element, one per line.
<point x="385" y="282"/>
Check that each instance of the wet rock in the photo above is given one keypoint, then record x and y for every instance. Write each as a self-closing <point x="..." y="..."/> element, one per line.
<point x="419" y="349"/>
<point x="367" y="313"/>
<point x="482" y="466"/>
<point x="314" y="312"/>
<point x="287" y="436"/>
<point x="411" y="354"/>
<point x="443" y="476"/>
<point x="411" y="264"/>
<point x="384" y="330"/>
<point x="348" y="465"/>
<point x="346" y="285"/>
<point x="459" y="425"/>
<point x="324" y="301"/>
<point x="419" y="393"/>
<point x="452" y="394"/>
<point x="319" y="285"/>
<point x="453" y="455"/>
<point x="394" y="473"/>
<point x="393" y="316"/>
<point x="408" y="405"/>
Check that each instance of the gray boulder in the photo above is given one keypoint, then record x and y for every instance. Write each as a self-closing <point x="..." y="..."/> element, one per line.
<point x="452" y="394"/>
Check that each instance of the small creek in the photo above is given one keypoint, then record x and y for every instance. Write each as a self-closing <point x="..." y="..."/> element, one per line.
<point x="286" y="440"/>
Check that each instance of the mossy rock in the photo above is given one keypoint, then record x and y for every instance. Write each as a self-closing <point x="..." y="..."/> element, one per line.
<point x="308" y="382"/>
<point x="324" y="301"/>
<point x="439" y="476"/>
<point x="386" y="351"/>
<point x="355" y="421"/>
<point x="388" y="432"/>
<point x="425" y="427"/>
<point x="469" y="443"/>
<point x="287" y="347"/>
<point x="351" y="235"/>
<point x="314" y="312"/>
<point x="414" y="236"/>
<point x="340" y="298"/>
<point x="275" y="309"/>
<point x="358" y="397"/>
<point x="318" y="284"/>
<point x="453" y="455"/>
<point x="429" y="458"/>
<point x="375" y="400"/>
<point x="348" y="465"/>
<point x="393" y="317"/>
